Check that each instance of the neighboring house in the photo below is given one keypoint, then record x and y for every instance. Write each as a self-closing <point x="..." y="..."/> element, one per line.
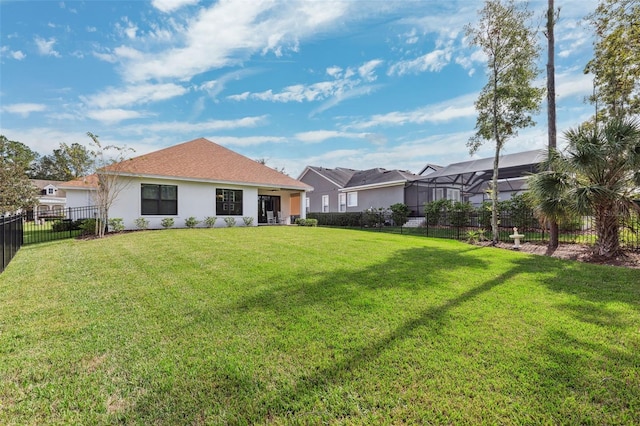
<point x="469" y="180"/>
<point x="348" y="190"/>
<point x="51" y="200"/>
<point x="200" y="179"/>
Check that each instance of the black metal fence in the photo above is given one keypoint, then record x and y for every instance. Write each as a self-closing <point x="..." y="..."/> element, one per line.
<point x="468" y="225"/>
<point x="68" y="223"/>
<point x="10" y="238"/>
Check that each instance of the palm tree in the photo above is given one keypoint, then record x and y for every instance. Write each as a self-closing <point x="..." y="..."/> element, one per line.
<point x="597" y="174"/>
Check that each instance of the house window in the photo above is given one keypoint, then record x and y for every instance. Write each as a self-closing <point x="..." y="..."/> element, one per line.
<point x="453" y="194"/>
<point x="51" y="191"/>
<point x="352" y="199"/>
<point x="159" y="199"/>
<point x="307" y="203"/>
<point x="228" y="202"/>
<point x="438" y="194"/>
<point x="342" y="202"/>
<point x="325" y="203"/>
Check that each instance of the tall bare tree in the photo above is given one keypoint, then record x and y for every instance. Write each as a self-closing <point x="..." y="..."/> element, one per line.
<point x="507" y="101"/>
<point x="552" y="15"/>
<point x="108" y="160"/>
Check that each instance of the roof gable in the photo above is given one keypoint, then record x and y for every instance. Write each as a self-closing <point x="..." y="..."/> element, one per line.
<point x="201" y="159"/>
<point x="338" y="176"/>
<point x="379" y="176"/>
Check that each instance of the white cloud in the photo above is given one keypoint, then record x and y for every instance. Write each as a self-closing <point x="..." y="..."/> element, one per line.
<point x="318" y="136"/>
<point x="433" y="61"/>
<point x="45" y="47"/>
<point x="228" y="32"/>
<point x="334" y="71"/>
<point x="215" y="87"/>
<point x="24" y="109"/>
<point x="574" y="83"/>
<point x="366" y="71"/>
<point x="134" y="95"/>
<point x="91" y="29"/>
<point x="460" y="107"/>
<point x="182" y="128"/>
<point x="247" y="140"/>
<point x="331" y="92"/>
<point x="114" y="115"/>
<point x="167" y="6"/>
<point x="17" y="55"/>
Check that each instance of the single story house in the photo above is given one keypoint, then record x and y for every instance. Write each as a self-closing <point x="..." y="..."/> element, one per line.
<point x="197" y="178"/>
<point x="349" y="190"/>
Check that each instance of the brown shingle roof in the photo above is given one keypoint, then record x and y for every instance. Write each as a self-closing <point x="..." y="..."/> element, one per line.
<point x="201" y="159"/>
<point x="90" y="181"/>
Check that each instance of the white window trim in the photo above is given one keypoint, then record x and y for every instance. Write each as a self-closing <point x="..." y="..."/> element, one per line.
<point x="325" y="204"/>
<point x="352" y="199"/>
<point x="342" y="202"/>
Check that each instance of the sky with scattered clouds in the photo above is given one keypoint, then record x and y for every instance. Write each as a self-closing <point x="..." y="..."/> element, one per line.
<point x="358" y="84"/>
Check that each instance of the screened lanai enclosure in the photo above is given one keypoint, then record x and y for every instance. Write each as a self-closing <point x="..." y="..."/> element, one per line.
<point x="470" y="180"/>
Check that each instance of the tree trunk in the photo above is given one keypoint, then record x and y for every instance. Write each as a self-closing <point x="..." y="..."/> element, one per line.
<point x="495" y="232"/>
<point x="551" y="106"/>
<point x="607" y="232"/>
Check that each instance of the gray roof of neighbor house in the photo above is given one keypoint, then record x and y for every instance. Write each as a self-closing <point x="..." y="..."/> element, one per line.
<point x="339" y="176"/>
<point x="474" y="171"/>
<point x="349" y="178"/>
<point x="379" y="176"/>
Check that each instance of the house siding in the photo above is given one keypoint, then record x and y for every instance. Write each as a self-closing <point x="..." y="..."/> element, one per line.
<point x="321" y="186"/>
<point x="195" y="199"/>
<point x="377" y="197"/>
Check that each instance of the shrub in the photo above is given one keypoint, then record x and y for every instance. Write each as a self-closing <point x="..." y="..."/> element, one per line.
<point x="142" y="223"/>
<point x="434" y="210"/>
<point x="210" y="221"/>
<point x="475" y="235"/>
<point x="88" y="226"/>
<point x="247" y="220"/>
<point x="191" y="222"/>
<point x="399" y="213"/>
<point x="230" y="221"/>
<point x="116" y="224"/>
<point x="459" y="213"/>
<point x="62" y="225"/>
<point x="306" y="222"/>
<point x="375" y="217"/>
<point x="337" y="219"/>
<point x="167" y="222"/>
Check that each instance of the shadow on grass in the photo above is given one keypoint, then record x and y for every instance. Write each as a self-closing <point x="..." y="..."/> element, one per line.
<point x="227" y="391"/>
<point x="411" y="270"/>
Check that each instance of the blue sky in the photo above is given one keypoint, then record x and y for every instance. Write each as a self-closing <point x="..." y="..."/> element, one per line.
<point x="356" y="84"/>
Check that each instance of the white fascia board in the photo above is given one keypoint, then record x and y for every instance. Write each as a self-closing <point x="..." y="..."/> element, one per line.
<point x="373" y="186"/>
<point x="220" y="181"/>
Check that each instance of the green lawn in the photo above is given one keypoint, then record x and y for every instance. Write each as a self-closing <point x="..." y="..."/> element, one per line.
<point x="285" y="325"/>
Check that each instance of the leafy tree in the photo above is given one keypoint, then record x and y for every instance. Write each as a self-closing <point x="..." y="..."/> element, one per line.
<point x="16" y="191"/>
<point x="616" y="62"/>
<point x="108" y="160"/>
<point x="599" y="174"/>
<point x="66" y="163"/>
<point x="507" y="101"/>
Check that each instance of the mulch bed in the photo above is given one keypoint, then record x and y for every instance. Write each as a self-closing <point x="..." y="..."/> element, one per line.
<point x="579" y="252"/>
